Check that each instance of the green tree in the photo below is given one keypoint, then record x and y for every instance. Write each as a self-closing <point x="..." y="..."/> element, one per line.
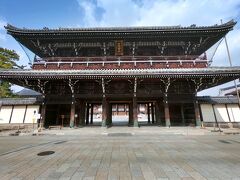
<point x="8" y="60"/>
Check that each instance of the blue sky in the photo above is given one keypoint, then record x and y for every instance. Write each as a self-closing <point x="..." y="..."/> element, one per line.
<point x="89" y="13"/>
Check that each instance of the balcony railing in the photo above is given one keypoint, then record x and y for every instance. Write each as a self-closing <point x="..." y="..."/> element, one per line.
<point x="120" y="58"/>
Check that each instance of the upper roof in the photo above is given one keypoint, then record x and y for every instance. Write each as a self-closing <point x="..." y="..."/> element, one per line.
<point x="191" y="40"/>
<point x="45" y="30"/>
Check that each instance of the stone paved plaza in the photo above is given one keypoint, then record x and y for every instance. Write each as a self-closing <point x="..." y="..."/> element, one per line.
<point x="121" y="153"/>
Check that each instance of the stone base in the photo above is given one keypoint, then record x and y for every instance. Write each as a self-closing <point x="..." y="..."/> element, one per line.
<point x="104" y="123"/>
<point x="168" y="123"/>
<point x="198" y="123"/>
<point x="135" y="124"/>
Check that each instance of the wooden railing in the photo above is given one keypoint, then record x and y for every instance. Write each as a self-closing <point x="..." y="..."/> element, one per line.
<point x="119" y="58"/>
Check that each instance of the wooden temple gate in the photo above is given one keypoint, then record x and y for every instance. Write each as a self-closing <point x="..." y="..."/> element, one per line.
<point x="163" y="67"/>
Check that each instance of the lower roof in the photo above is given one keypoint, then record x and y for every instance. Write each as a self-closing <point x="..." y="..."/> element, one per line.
<point x="117" y="73"/>
<point x="201" y="99"/>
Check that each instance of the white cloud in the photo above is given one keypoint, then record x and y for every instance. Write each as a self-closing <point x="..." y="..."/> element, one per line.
<point x="150" y="12"/>
<point x="169" y="12"/>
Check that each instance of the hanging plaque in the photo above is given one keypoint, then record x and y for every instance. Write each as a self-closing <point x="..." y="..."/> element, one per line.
<point x="119" y="48"/>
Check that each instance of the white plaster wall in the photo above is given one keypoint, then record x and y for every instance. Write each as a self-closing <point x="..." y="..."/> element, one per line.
<point x="207" y="113"/>
<point x="18" y="114"/>
<point x="221" y="113"/>
<point x="5" y="114"/>
<point x="234" y="112"/>
<point x="30" y="112"/>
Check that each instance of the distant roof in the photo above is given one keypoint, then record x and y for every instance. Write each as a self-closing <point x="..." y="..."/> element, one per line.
<point x="218" y="100"/>
<point x="19" y="101"/>
<point x="28" y="92"/>
<point x="229" y="87"/>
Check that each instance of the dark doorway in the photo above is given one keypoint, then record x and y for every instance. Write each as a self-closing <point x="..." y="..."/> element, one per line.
<point x="57" y="114"/>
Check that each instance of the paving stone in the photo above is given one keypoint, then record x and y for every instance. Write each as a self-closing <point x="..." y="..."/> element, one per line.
<point x="147" y="154"/>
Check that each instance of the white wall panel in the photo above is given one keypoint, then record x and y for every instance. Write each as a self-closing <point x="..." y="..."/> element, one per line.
<point x="5" y="114"/>
<point x="30" y="112"/>
<point x="207" y="113"/>
<point x="234" y="112"/>
<point x="221" y="113"/>
<point x="18" y="114"/>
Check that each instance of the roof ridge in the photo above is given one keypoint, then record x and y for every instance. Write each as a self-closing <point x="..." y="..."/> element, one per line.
<point x="230" y="23"/>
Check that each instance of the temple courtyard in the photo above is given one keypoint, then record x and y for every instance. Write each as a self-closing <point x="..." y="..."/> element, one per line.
<point x="121" y="153"/>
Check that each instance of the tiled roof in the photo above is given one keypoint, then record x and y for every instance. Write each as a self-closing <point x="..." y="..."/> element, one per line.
<point x="19" y="101"/>
<point x="218" y="100"/>
<point x="229" y="24"/>
<point x="174" y="72"/>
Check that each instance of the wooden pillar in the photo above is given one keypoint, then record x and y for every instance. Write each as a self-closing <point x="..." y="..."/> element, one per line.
<point x="82" y="107"/>
<point x="148" y="113"/>
<point x="166" y="111"/>
<point x="91" y="120"/>
<point x="109" y="114"/>
<point x="135" y="112"/>
<point x="157" y="112"/>
<point x="87" y="113"/>
<point x="72" y="115"/>
<point x="116" y="109"/>
<point x="182" y="115"/>
<point x="43" y="115"/>
<point x="104" y="112"/>
<point x="197" y="113"/>
<point x="153" y="113"/>
<point x="58" y="115"/>
<point x="130" y="114"/>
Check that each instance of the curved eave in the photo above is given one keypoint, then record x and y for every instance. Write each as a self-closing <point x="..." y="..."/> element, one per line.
<point x="125" y="73"/>
<point x="157" y="29"/>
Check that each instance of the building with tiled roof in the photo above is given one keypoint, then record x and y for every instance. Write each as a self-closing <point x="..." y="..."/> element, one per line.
<point x="160" y="68"/>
